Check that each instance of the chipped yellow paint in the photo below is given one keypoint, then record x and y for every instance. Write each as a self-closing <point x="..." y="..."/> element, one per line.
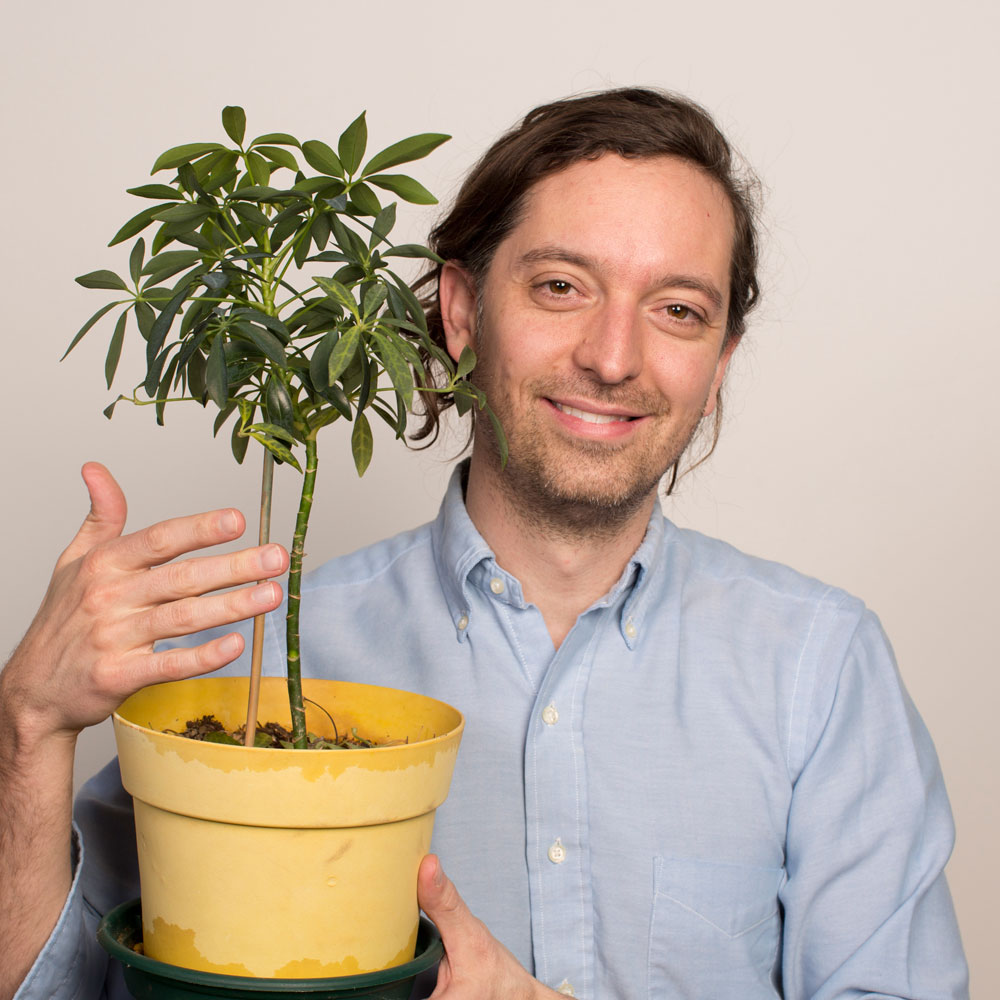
<point x="337" y="877"/>
<point x="162" y="939"/>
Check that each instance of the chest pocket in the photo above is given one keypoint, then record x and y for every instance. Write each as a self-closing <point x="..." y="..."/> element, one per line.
<point x="715" y="931"/>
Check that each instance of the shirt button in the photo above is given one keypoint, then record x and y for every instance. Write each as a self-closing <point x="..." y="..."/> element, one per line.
<point x="565" y="989"/>
<point x="549" y="715"/>
<point x="496" y="585"/>
<point x="630" y="630"/>
<point x="557" y="853"/>
<point x="463" y="623"/>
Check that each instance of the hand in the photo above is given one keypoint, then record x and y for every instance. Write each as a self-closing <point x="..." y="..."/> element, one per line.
<point x="476" y="966"/>
<point x="112" y="596"/>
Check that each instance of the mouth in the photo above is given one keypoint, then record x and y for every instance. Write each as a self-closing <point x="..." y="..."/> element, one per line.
<point x="590" y="417"/>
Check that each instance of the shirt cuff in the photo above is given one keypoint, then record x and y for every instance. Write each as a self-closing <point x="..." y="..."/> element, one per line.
<point x="71" y="965"/>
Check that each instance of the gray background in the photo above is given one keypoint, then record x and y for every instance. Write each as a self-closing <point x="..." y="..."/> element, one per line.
<point x="860" y="441"/>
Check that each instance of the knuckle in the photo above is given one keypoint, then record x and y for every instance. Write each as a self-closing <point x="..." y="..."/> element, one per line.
<point x="157" y="540"/>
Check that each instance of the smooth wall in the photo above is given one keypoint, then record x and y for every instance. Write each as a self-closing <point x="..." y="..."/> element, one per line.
<point x="860" y="443"/>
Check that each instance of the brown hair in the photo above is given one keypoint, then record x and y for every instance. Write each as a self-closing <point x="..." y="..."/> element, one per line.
<point x="630" y="122"/>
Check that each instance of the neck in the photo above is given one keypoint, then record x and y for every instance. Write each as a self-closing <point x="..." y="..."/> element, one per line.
<point x="564" y="564"/>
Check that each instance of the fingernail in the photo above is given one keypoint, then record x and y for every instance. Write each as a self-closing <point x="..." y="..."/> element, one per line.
<point x="271" y="558"/>
<point x="231" y="645"/>
<point x="229" y="522"/>
<point x="438" y="875"/>
<point x="264" y="594"/>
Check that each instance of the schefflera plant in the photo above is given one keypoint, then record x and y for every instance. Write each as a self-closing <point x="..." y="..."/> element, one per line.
<point x="231" y="315"/>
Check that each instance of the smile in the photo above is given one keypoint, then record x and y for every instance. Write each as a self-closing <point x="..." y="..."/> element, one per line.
<point x="591" y="418"/>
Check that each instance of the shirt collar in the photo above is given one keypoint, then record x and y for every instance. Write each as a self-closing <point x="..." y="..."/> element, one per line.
<point x="460" y="551"/>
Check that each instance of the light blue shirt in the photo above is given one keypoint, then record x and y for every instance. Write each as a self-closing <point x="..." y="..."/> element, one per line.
<point x="715" y="788"/>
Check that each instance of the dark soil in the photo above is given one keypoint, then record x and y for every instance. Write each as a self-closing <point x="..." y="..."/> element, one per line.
<point x="271" y="735"/>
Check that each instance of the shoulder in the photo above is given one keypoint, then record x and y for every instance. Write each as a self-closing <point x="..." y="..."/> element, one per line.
<point x="717" y="566"/>
<point x="405" y="555"/>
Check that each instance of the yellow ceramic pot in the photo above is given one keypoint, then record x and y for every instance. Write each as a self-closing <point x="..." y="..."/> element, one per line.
<point x="283" y="863"/>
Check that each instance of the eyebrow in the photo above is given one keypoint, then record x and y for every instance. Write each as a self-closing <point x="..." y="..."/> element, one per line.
<point x="540" y="255"/>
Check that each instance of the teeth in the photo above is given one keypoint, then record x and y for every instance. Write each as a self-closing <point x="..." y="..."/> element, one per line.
<point x="591" y="418"/>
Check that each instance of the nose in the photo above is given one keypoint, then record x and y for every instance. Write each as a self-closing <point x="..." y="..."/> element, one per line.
<point x="610" y="344"/>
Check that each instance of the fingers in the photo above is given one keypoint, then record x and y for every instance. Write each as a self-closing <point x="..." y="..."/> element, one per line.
<point x="195" y="614"/>
<point x="202" y="574"/>
<point x="439" y="898"/>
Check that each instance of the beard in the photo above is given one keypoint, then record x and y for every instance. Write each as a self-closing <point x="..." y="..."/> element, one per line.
<point x="571" y="487"/>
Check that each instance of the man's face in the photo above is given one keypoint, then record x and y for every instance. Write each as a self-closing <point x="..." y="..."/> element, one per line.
<point x="600" y="333"/>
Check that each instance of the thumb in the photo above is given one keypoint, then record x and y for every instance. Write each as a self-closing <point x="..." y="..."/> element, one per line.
<point x="440" y="900"/>
<point x="108" y="510"/>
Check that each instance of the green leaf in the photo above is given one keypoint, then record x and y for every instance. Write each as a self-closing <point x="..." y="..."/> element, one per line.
<point x="280" y="451"/>
<point x="406" y="187"/>
<point x="135" y="260"/>
<point x="364" y="200"/>
<point x="155" y="191"/>
<point x="265" y="341"/>
<point x="413" y="306"/>
<point x="321" y="157"/>
<point x="109" y="410"/>
<point x="280" y="156"/>
<point x="274" y="430"/>
<point x="271" y="322"/>
<point x="336" y="291"/>
<point x="115" y="349"/>
<point x="352" y="143"/>
<point x="382" y="225"/>
<point x="362" y="443"/>
<point x="250" y="214"/>
<point x="412" y="250"/>
<point x="416" y="147"/>
<point x="164" y="321"/>
<point x="348" y="240"/>
<point x="330" y="186"/>
<point x="216" y="378"/>
<point x="234" y="121"/>
<point x="167" y="264"/>
<point x="397" y="369"/>
<point x="279" y="404"/>
<point x="188" y="212"/>
<point x="260" y="172"/>
<point x="136" y="224"/>
<point x="466" y="362"/>
<point x="320" y="360"/>
<point x="102" y="279"/>
<point x="177" y="155"/>
<point x="86" y="326"/>
<point x="239" y="443"/>
<point x="342" y="353"/>
<point x="278" y="138"/>
<point x="501" y="438"/>
<point x="144" y="317"/>
<point x="164" y="390"/>
<point x="319" y="231"/>
<point x="374" y="298"/>
<point x="342" y="406"/>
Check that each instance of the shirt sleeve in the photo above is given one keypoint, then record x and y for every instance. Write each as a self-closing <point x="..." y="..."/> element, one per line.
<point x="867" y="910"/>
<point x="72" y="965"/>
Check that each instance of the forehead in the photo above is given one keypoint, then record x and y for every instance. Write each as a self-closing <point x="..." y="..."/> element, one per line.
<point x="646" y="216"/>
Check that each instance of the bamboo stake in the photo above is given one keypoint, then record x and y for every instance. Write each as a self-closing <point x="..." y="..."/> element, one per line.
<point x="257" y="656"/>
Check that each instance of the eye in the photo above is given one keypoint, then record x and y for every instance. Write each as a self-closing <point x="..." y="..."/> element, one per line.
<point x="684" y="313"/>
<point x="558" y="287"/>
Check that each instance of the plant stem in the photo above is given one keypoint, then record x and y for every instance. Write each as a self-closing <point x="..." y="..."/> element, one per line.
<point x="257" y="656"/>
<point x="299" y="737"/>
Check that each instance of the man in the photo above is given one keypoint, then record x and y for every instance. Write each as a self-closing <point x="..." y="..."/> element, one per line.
<point x="686" y="772"/>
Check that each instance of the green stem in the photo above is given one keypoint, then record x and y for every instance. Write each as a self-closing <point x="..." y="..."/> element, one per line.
<point x="294" y="598"/>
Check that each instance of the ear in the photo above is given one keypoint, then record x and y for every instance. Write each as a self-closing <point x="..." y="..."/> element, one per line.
<point x="457" y="295"/>
<point x="720" y="373"/>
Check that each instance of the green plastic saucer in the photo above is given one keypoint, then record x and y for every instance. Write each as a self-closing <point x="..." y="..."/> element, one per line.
<point x="148" y="979"/>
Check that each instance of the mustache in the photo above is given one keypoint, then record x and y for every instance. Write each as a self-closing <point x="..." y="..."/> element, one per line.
<point x="628" y="397"/>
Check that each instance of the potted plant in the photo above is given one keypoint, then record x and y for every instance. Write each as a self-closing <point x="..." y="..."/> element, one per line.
<point x="235" y="313"/>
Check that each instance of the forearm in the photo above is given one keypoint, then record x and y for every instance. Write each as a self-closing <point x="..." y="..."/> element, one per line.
<point x="36" y="789"/>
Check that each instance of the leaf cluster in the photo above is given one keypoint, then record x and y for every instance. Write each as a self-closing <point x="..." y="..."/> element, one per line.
<point x="229" y="313"/>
